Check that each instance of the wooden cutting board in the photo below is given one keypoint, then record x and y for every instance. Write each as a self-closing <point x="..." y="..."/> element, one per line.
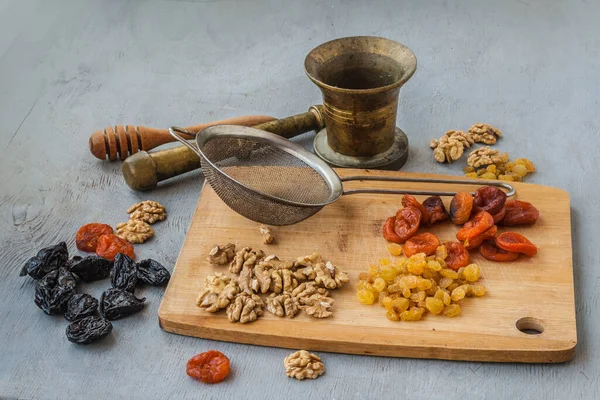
<point x="529" y="293"/>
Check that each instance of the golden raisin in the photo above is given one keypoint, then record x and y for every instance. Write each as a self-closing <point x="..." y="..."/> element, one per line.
<point x="365" y="296"/>
<point x="435" y="306"/>
<point x="471" y="273"/>
<point x="445" y="282"/>
<point x="400" y="304"/>
<point x="392" y="316"/>
<point x="379" y="284"/>
<point x="388" y="273"/>
<point x="386" y="302"/>
<point x="419" y="296"/>
<point x="384" y="261"/>
<point x="414" y="314"/>
<point x="394" y="249"/>
<point x="452" y="310"/>
<point x="478" y="290"/>
<point x="448" y="273"/>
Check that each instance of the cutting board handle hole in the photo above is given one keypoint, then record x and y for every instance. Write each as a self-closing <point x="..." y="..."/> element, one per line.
<point x="530" y="326"/>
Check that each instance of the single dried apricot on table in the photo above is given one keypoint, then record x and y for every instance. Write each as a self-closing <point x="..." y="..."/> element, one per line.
<point x="475" y="242"/>
<point x="209" y="367"/>
<point x="517" y="243"/>
<point x="87" y="236"/>
<point x="490" y="199"/>
<point x="458" y="256"/>
<point x="411" y="201"/>
<point x="520" y="213"/>
<point x="435" y="207"/>
<point x="480" y="223"/>
<point x="460" y="207"/>
<point x="407" y="222"/>
<point x="421" y="243"/>
<point x="389" y="233"/>
<point x="491" y="252"/>
<point x="110" y="245"/>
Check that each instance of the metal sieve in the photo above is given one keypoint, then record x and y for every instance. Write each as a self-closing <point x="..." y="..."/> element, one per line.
<point x="274" y="181"/>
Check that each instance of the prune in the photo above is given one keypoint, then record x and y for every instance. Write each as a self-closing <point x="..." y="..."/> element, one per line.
<point x="490" y="199"/>
<point x="458" y="256"/>
<point x="388" y="231"/>
<point x="152" y="273"/>
<point x="460" y="207"/>
<point x="66" y="278"/>
<point x="92" y="268"/>
<point x="209" y="367"/>
<point x="480" y="223"/>
<point x="88" y="330"/>
<point x="411" y="201"/>
<point x="422" y="243"/>
<point x="124" y="273"/>
<point x="80" y="306"/>
<point x="50" y="296"/>
<point x="87" y="236"/>
<point x="520" y="213"/>
<point x="435" y="208"/>
<point x="71" y="261"/>
<point x="407" y="222"/>
<point x="491" y="252"/>
<point x="48" y="259"/>
<point x="476" y="241"/>
<point x="110" y="245"/>
<point x="117" y="303"/>
<point x="517" y="243"/>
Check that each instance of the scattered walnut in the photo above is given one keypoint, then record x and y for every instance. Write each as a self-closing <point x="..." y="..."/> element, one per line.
<point x="317" y="306"/>
<point x="329" y="276"/>
<point x="484" y="133"/>
<point x="307" y="289"/>
<point x="303" y="365"/>
<point x="282" y="280"/>
<point x="450" y="147"/>
<point x="148" y="211"/>
<point x="215" y="301"/>
<point x="245" y="256"/>
<point x="245" y="308"/>
<point x="283" y="305"/>
<point x="134" y="231"/>
<point x="263" y="278"/>
<point x="465" y="138"/>
<point x="267" y="235"/>
<point x="308" y="261"/>
<point x="245" y="279"/>
<point x="273" y="261"/>
<point x="486" y="156"/>
<point x="433" y="143"/>
<point x="216" y="282"/>
<point x="221" y="254"/>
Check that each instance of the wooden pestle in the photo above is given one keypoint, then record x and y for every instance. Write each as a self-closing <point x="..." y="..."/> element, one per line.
<point x="125" y="140"/>
<point x="143" y="170"/>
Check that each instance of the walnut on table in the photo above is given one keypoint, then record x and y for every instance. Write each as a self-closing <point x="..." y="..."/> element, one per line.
<point x="307" y="289"/>
<point x="303" y="365"/>
<point x="450" y="147"/>
<point x="221" y="254"/>
<point x="330" y="276"/>
<point x="317" y="305"/>
<point x="148" y="211"/>
<point x="282" y="305"/>
<point x="245" y="308"/>
<point x="245" y="257"/>
<point x="282" y="280"/>
<point x="485" y="133"/>
<point x="267" y="235"/>
<point x="134" y="231"/>
<point x="486" y="156"/>
<point x="214" y="301"/>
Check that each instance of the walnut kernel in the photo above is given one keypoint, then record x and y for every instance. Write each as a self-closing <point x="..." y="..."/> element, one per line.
<point x="221" y="254"/>
<point x="215" y="301"/>
<point x="484" y="133"/>
<point x="486" y="156"/>
<point x="245" y="308"/>
<point x="317" y="305"/>
<point x="134" y="231"/>
<point x="148" y="211"/>
<point x="303" y="365"/>
<point x="267" y="235"/>
<point x="282" y="305"/>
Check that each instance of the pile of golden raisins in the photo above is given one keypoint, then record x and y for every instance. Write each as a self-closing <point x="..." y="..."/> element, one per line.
<point x="409" y="288"/>
<point x="510" y="171"/>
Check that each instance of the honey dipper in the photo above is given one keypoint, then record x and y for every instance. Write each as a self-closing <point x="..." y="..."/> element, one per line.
<point x="122" y="141"/>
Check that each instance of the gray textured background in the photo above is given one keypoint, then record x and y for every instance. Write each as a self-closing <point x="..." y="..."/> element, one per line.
<point x="68" y="68"/>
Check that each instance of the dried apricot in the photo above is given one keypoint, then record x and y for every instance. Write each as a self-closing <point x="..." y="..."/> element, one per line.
<point x="209" y="367"/>
<point x="389" y="233"/>
<point x="460" y="208"/>
<point x="421" y="243"/>
<point x="520" y="213"/>
<point x="490" y="199"/>
<point x="491" y="252"/>
<point x="435" y="207"/>
<point x="411" y="201"/>
<point x="499" y="216"/>
<point x="480" y="223"/>
<point x="87" y="236"/>
<point x="407" y="222"/>
<point x="110" y="245"/>
<point x="515" y="242"/>
<point x="475" y="242"/>
<point x="458" y="256"/>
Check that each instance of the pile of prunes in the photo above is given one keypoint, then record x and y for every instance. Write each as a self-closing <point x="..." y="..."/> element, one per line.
<point x="57" y="277"/>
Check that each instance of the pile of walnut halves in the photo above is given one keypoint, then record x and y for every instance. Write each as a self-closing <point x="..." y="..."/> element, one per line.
<point x="288" y="286"/>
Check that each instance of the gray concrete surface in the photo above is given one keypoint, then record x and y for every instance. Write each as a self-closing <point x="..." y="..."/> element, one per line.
<point x="69" y="67"/>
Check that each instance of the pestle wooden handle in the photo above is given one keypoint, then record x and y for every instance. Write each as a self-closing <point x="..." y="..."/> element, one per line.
<point x="122" y="141"/>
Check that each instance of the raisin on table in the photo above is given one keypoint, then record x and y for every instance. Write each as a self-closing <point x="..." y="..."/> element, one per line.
<point x="110" y="245"/>
<point x="48" y="259"/>
<point x="152" y="273"/>
<point x="209" y="367"/>
<point x="81" y="305"/>
<point x="88" y="330"/>
<point x="50" y="296"/>
<point x="92" y="268"/>
<point x="117" y="303"/>
<point x="124" y="273"/>
<point x="87" y="236"/>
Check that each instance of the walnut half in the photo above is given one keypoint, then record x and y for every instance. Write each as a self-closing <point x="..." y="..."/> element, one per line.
<point x="267" y="235"/>
<point x="317" y="306"/>
<point x="303" y="365"/>
<point x="148" y="211"/>
<point x="221" y="254"/>
<point x="283" y="305"/>
<point x="245" y="308"/>
<point x="134" y="231"/>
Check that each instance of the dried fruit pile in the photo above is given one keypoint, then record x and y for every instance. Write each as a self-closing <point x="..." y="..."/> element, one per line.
<point x="481" y="165"/>
<point x="59" y="277"/>
<point x="291" y="286"/>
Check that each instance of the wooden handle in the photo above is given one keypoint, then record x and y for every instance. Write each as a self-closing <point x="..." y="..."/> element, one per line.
<point x="123" y="141"/>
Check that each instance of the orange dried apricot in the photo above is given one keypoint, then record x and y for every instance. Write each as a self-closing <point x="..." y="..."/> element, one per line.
<point x="458" y="256"/>
<point x="520" y="213"/>
<point x="389" y="233"/>
<point x="460" y="208"/>
<point x="490" y="199"/>
<point x="499" y="216"/>
<point x="475" y="242"/>
<point x="407" y="222"/>
<point x="209" y="367"/>
<point x="517" y="243"/>
<point x="110" y="245"/>
<point x="421" y="243"/>
<point x="480" y="223"/>
<point x="87" y="236"/>
<point x="411" y="201"/>
<point x="491" y="252"/>
<point x="435" y="207"/>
